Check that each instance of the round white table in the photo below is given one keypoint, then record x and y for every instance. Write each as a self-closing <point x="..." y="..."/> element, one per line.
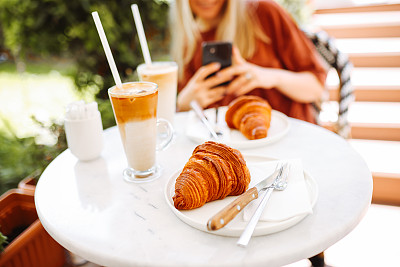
<point x="89" y="209"/>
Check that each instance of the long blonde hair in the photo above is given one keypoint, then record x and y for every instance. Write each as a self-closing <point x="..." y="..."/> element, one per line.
<point x="237" y="25"/>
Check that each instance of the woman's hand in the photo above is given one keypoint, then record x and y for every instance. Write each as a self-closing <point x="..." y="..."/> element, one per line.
<point x="247" y="76"/>
<point x="302" y="87"/>
<point x="205" y="90"/>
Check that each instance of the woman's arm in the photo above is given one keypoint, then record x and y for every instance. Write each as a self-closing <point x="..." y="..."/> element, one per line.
<point x="302" y="87"/>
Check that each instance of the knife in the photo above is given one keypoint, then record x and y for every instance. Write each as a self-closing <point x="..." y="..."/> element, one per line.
<point x="199" y="112"/>
<point x="224" y="216"/>
<point x="279" y="183"/>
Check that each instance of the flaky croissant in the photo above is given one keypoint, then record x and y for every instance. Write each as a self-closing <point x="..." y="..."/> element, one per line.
<point x="214" y="171"/>
<point x="251" y="115"/>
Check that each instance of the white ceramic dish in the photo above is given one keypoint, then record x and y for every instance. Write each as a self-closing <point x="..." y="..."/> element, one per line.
<point x="198" y="218"/>
<point x="198" y="133"/>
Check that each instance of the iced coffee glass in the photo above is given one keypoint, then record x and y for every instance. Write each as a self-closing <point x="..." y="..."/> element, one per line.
<point x="135" y="110"/>
<point x="165" y="75"/>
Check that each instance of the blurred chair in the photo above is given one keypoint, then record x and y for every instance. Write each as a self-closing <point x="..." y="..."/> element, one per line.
<point x="334" y="58"/>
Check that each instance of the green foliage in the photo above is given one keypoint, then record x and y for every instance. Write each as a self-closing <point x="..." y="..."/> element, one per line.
<point x="36" y="29"/>
<point x="299" y="9"/>
<point x="107" y="115"/>
<point x="3" y="241"/>
<point x="64" y="67"/>
<point x="19" y="157"/>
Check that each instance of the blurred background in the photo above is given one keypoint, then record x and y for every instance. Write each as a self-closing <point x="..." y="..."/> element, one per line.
<point x="51" y="55"/>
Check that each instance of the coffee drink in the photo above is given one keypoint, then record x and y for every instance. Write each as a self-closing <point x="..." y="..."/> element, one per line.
<point x="135" y="110"/>
<point x="165" y="75"/>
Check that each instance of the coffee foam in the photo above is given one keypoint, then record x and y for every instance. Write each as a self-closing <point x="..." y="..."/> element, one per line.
<point x="157" y="68"/>
<point x="128" y="89"/>
<point x="130" y="92"/>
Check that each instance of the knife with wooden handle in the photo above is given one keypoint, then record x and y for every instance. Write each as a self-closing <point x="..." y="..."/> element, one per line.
<point x="224" y="216"/>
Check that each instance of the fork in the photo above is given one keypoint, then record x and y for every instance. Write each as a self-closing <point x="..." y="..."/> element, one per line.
<point x="279" y="184"/>
<point x="217" y="128"/>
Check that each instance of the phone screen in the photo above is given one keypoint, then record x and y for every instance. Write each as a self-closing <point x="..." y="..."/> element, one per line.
<point x="220" y="52"/>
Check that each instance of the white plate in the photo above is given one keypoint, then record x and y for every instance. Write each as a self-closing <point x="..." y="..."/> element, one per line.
<point x="198" y="133"/>
<point x="198" y="218"/>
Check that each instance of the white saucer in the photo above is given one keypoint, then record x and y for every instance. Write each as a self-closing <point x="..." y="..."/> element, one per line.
<point x="198" y="218"/>
<point x="198" y="133"/>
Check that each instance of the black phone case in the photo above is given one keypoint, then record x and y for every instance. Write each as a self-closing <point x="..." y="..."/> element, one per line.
<point x="220" y="52"/>
<point x="217" y="52"/>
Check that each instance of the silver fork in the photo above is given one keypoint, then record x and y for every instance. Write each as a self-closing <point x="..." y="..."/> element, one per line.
<point x="217" y="128"/>
<point x="280" y="184"/>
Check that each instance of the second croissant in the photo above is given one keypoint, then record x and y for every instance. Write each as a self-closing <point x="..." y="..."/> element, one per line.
<point x="251" y="115"/>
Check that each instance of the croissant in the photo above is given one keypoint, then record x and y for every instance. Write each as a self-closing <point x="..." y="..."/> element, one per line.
<point x="251" y="115"/>
<point x="213" y="172"/>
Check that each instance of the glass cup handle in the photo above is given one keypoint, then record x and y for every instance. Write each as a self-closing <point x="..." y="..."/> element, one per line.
<point x="165" y="133"/>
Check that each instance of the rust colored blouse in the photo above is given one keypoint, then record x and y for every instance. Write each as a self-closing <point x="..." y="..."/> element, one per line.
<point x="288" y="49"/>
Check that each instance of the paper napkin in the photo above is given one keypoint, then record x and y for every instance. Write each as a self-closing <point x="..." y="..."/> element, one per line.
<point x="282" y="205"/>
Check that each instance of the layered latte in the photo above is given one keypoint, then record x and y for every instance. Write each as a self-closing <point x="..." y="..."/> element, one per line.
<point x="135" y="110"/>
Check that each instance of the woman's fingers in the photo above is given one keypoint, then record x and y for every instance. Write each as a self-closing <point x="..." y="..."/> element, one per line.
<point x="210" y="96"/>
<point x="216" y="94"/>
<point x="242" y="84"/>
<point x="205" y="71"/>
<point x="221" y="76"/>
<point x="234" y="71"/>
<point x="217" y="79"/>
<point x="247" y="87"/>
<point x="236" y="84"/>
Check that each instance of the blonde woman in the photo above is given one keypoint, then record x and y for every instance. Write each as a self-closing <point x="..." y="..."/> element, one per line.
<point x="272" y="58"/>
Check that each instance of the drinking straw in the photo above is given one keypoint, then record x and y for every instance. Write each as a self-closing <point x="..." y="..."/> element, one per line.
<point x="142" y="36"/>
<point x="106" y="48"/>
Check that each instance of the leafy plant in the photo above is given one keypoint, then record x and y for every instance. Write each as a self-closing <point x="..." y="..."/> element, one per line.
<point x="107" y="115"/>
<point x="19" y="157"/>
<point x="3" y="241"/>
<point x="300" y="10"/>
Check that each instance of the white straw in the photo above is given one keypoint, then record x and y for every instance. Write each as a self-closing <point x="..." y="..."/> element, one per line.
<point x="142" y="36"/>
<point x="106" y="48"/>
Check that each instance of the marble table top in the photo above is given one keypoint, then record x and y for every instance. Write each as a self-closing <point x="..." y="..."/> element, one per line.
<point x="92" y="211"/>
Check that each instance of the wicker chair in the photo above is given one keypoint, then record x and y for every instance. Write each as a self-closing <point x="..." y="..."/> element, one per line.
<point x="334" y="58"/>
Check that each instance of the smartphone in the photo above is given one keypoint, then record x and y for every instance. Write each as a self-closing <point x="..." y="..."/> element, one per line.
<point x="220" y="52"/>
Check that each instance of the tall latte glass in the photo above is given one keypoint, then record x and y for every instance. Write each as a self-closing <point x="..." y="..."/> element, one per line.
<point x="135" y="110"/>
<point x="165" y="75"/>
